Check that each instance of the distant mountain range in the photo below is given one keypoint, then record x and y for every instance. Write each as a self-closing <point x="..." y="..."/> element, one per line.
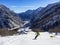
<point x="40" y="16"/>
<point x="29" y="14"/>
<point x="9" y="19"/>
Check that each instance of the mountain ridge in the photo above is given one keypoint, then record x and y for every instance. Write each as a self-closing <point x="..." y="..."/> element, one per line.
<point x="8" y="18"/>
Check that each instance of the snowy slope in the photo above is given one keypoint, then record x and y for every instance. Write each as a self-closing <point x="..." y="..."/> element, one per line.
<point x="27" y="39"/>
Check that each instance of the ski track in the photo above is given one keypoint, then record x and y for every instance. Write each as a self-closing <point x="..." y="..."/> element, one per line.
<point x="27" y="39"/>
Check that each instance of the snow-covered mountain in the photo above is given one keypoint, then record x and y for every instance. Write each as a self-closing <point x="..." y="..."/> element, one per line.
<point x="29" y="14"/>
<point x="25" y="16"/>
<point x="10" y="22"/>
<point x="8" y="18"/>
<point x="47" y="18"/>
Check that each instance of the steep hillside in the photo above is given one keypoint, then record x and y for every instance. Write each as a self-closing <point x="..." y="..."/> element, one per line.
<point x="48" y="17"/>
<point x="8" y="19"/>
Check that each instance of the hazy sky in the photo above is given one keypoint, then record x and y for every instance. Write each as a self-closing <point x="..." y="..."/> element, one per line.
<point x="23" y="5"/>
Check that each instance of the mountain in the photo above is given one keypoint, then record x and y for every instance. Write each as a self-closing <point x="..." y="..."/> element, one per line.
<point x="26" y="15"/>
<point x="29" y="14"/>
<point x="9" y="19"/>
<point x="45" y="12"/>
<point x="47" y="18"/>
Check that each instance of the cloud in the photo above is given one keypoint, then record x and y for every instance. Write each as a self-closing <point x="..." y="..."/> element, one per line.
<point x="13" y="6"/>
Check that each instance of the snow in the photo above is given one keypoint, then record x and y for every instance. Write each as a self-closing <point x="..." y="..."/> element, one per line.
<point x="27" y="39"/>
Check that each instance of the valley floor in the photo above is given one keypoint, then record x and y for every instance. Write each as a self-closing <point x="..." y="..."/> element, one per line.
<point x="27" y="39"/>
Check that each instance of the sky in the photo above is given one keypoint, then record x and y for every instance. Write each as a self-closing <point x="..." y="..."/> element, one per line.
<point x="19" y="6"/>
